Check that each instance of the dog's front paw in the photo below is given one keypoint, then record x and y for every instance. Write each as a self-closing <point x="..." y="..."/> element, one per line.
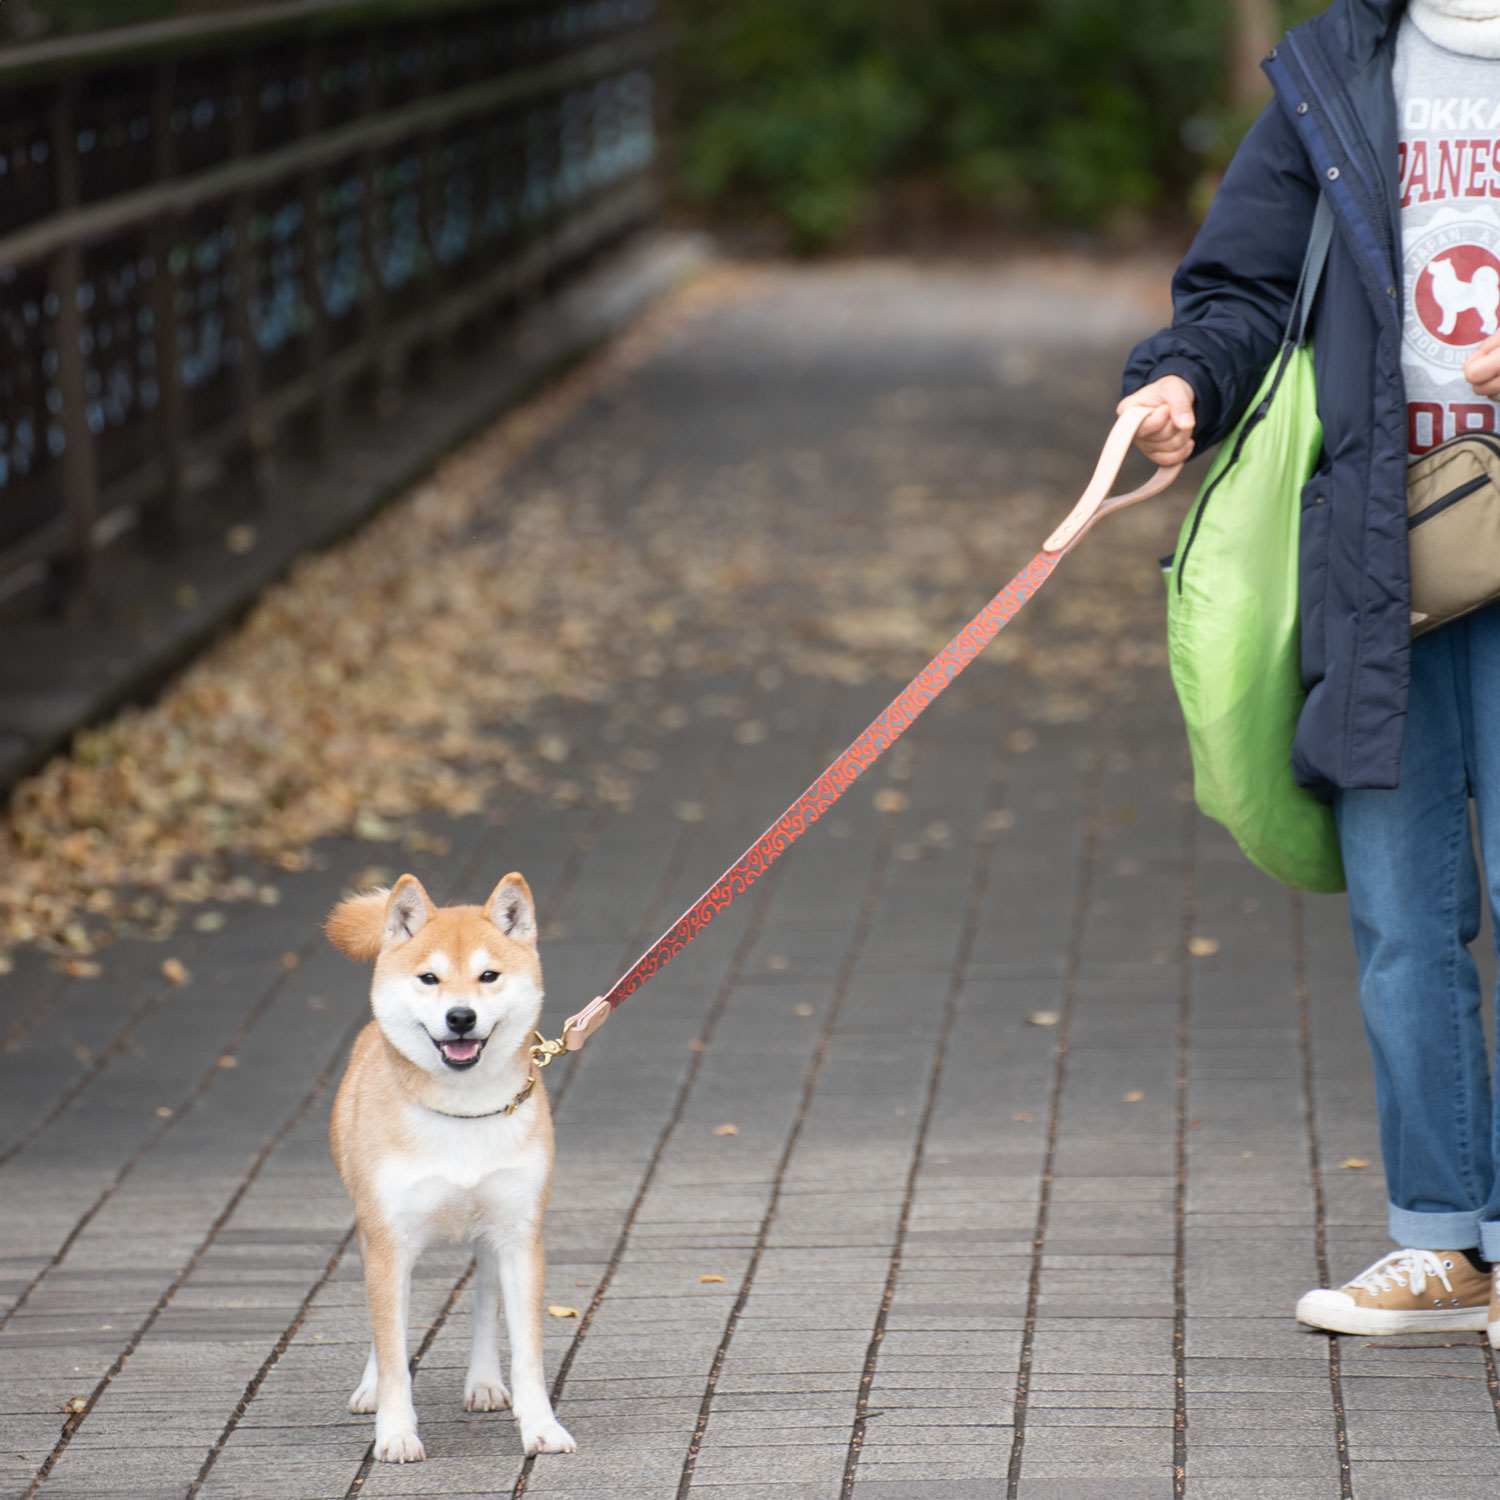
<point x="485" y="1395"/>
<point x="363" y="1399"/>
<point x="547" y="1436"/>
<point x="400" y="1446"/>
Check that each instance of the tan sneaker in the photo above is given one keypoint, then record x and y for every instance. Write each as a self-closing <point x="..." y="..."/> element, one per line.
<point x="1408" y="1291"/>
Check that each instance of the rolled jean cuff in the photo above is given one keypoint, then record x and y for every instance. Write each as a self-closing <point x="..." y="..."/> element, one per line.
<point x="1419" y="1231"/>
<point x="1489" y="1240"/>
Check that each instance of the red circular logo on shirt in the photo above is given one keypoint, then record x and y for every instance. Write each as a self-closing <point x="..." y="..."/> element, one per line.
<point x="1458" y="295"/>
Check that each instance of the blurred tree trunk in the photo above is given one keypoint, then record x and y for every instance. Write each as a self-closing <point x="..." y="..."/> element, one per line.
<point x="1254" y="35"/>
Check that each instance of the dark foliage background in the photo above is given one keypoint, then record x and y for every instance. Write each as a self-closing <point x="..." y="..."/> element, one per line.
<point x="1083" y="113"/>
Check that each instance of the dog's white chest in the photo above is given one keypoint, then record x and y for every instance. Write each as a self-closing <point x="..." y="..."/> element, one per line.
<point x="461" y="1178"/>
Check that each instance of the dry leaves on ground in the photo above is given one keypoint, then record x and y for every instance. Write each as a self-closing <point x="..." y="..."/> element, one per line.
<point x="411" y="670"/>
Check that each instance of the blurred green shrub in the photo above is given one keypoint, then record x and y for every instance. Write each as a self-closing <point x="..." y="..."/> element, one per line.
<point x="1069" y="112"/>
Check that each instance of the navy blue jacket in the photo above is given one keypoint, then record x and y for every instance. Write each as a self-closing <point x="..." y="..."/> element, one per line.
<point x="1331" y="128"/>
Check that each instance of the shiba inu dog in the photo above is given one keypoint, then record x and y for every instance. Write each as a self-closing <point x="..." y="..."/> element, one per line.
<point x="441" y="1130"/>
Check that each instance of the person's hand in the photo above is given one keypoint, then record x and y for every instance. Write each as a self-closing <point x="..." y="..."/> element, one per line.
<point x="1482" y="367"/>
<point x="1166" y="436"/>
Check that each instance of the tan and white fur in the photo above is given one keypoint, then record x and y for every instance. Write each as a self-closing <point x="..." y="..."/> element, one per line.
<point x="427" y="1154"/>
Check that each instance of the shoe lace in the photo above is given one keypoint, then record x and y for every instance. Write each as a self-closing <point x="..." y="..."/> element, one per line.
<point x="1409" y="1268"/>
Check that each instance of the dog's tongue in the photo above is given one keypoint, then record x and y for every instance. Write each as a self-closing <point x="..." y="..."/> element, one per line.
<point x="461" y="1051"/>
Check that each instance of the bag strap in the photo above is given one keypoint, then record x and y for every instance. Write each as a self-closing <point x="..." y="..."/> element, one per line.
<point x="1318" y="241"/>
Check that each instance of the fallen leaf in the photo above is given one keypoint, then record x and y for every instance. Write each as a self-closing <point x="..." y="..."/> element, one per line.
<point x="999" y="820"/>
<point x="82" y="968"/>
<point x="6" y="963"/>
<point x="209" y="921"/>
<point x="377" y="830"/>
<point x="726" y="1129"/>
<point x="290" y="960"/>
<point x="1021" y="740"/>
<point x="1022" y="1117"/>
<point x="228" y="1061"/>
<point x="164" y="1112"/>
<point x="689" y="812"/>
<point x="777" y="961"/>
<point x="241" y="539"/>
<point x="75" y="1406"/>
<point x="890" y="800"/>
<point x="1134" y="1096"/>
<point x="175" y="970"/>
<point x="1203" y="947"/>
<point x="804" y="1009"/>
<point x="750" y="732"/>
<point x="710" y="1278"/>
<point x="1353" y="1164"/>
<point x="559" y="1311"/>
<point x="1043" y="1018"/>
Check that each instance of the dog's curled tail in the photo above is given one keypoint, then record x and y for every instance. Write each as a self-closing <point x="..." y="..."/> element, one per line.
<point x="356" y="926"/>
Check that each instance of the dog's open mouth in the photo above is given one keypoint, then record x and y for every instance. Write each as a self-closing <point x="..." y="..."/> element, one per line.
<point x="461" y="1052"/>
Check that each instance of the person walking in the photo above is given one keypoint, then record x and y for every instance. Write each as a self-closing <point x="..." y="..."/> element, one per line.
<point x="1391" y="111"/>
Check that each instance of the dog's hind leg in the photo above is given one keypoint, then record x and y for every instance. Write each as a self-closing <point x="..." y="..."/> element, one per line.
<point x="363" y="1399"/>
<point x="523" y="1270"/>
<point x="484" y="1390"/>
<point x="388" y="1291"/>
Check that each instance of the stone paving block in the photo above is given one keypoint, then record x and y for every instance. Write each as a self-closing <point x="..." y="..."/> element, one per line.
<point x="938" y="1489"/>
<point x="1418" y="1481"/>
<point x="1096" y="1487"/>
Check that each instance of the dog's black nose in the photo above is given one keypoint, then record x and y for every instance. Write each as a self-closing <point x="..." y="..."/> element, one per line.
<point x="461" y="1019"/>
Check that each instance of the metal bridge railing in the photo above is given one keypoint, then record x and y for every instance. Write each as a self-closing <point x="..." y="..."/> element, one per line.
<point x="212" y="227"/>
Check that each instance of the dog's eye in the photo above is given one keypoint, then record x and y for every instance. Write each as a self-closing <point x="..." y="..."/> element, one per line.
<point x="428" y="978"/>
<point x="488" y="977"/>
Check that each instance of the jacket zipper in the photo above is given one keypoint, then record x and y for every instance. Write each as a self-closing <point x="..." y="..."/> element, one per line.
<point x="1451" y="498"/>
<point x="1251" y="424"/>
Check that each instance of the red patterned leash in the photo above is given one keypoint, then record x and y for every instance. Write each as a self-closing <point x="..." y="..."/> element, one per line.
<point x="878" y="738"/>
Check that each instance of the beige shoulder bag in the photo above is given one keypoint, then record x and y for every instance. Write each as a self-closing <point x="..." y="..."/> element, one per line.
<point x="1453" y="529"/>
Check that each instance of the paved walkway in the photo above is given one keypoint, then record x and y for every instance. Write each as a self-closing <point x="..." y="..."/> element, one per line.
<point x="962" y="1254"/>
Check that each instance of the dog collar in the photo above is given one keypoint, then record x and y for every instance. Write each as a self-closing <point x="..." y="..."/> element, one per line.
<point x="506" y="1109"/>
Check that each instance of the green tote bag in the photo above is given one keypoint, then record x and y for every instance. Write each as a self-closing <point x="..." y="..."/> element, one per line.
<point x="1232" y="637"/>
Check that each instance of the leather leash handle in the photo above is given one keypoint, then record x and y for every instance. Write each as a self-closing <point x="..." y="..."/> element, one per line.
<point x="1096" y="500"/>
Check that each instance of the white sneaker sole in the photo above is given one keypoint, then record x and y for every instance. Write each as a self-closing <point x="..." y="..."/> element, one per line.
<point x="1379" y="1320"/>
<point x="1493" y="1331"/>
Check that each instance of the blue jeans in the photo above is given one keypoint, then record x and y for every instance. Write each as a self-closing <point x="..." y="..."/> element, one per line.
<point x="1414" y="893"/>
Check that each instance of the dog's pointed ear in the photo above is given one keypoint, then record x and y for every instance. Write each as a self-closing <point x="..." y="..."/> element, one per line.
<point x="407" y="910"/>
<point x="356" y="926"/>
<point x="512" y="910"/>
